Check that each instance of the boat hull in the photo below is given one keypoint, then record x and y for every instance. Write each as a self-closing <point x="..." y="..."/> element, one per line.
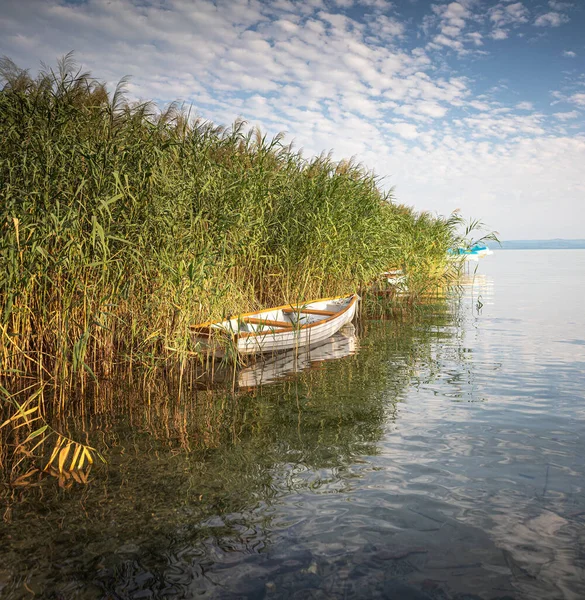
<point x="279" y="329"/>
<point x="277" y="341"/>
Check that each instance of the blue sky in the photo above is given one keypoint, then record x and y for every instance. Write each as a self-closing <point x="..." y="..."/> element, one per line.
<point x="475" y="104"/>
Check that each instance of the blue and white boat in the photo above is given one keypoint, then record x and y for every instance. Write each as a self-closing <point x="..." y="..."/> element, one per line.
<point x="475" y="252"/>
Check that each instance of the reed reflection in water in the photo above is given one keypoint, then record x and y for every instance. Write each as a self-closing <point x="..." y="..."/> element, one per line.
<point x="442" y="461"/>
<point x="204" y="477"/>
<point x="284" y="364"/>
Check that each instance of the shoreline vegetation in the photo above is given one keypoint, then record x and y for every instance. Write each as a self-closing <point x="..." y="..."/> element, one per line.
<point x="123" y="225"/>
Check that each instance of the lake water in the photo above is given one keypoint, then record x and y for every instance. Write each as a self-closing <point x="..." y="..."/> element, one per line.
<point x="441" y="458"/>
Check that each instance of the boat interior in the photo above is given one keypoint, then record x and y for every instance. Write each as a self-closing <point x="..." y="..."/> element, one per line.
<point x="285" y="318"/>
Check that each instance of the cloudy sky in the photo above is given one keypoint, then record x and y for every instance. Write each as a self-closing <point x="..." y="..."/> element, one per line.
<point x="474" y="104"/>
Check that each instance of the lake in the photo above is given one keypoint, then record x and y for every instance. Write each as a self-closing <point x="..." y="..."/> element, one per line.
<point x="440" y="457"/>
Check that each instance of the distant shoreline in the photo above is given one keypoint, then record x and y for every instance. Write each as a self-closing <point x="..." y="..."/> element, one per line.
<point x="555" y="244"/>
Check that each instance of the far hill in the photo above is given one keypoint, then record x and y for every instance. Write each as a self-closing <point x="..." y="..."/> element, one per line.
<point x="556" y="244"/>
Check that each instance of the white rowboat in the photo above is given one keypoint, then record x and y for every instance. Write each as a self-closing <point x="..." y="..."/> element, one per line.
<point x="281" y="328"/>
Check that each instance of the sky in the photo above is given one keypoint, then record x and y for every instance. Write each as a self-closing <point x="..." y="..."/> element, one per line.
<point x="475" y="105"/>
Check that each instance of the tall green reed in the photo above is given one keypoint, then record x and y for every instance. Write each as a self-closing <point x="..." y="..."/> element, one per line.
<point x="122" y="225"/>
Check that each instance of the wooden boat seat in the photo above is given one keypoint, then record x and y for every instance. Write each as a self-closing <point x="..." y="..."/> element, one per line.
<point x="268" y="322"/>
<point x="309" y="311"/>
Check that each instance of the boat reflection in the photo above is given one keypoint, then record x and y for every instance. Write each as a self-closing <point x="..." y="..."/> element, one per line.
<point x="280" y="366"/>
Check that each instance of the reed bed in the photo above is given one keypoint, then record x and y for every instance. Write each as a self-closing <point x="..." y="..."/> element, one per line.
<point x="122" y="225"/>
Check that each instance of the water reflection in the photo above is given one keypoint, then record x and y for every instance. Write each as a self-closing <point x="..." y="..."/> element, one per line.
<point x="282" y="365"/>
<point x="198" y="489"/>
<point x="442" y="461"/>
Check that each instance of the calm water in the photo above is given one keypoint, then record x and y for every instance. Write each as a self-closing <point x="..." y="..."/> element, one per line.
<point x="440" y="459"/>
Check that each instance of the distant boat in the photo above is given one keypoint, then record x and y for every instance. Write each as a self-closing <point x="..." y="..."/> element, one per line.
<point x="475" y="252"/>
<point x="397" y="278"/>
<point x="277" y="329"/>
<point x="480" y="250"/>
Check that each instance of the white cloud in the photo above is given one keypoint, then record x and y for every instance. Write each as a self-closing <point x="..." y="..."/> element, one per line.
<point x="499" y="34"/>
<point x="503" y="16"/>
<point x="404" y="130"/>
<point x="432" y="109"/>
<point x="476" y="38"/>
<point x="503" y="126"/>
<point x="578" y="99"/>
<point x="557" y="5"/>
<point x="479" y="105"/>
<point x="566" y="116"/>
<point x="443" y="40"/>
<point x="517" y="12"/>
<point x="506" y="14"/>
<point x="511" y="186"/>
<point x="381" y="5"/>
<point x="569" y="53"/>
<point x="551" y="19"/>
<point x="387" y="27"/>
<point x="423" y="111"/>
<point x="452" y="19"/>
<point x="333" y="81"/>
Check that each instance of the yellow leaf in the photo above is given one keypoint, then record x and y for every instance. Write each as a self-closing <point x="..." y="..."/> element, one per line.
<point x="58" y="445"/>
<point x="63" y="456"/>
<point x="89" y="457"/>
<point x="25" y="423"/>
<point x="81" y="461"/>
<point x="19" y="414"/>
<point x="75" y="455"/>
